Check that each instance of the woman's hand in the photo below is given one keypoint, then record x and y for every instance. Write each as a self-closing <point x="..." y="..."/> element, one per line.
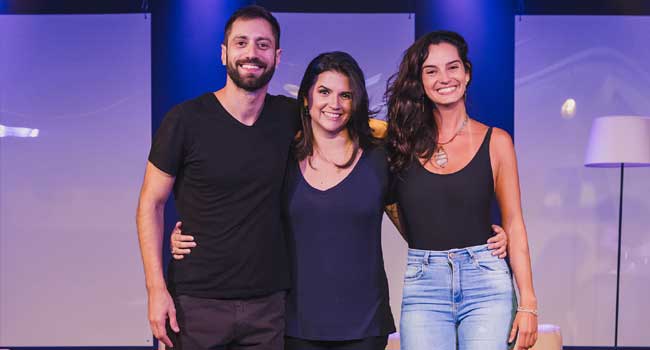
<point x="181" y="244"/>
<point x="525" y="329"/>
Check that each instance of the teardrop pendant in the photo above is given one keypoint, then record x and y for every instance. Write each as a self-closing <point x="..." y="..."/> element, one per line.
<point x="440" y="157"/>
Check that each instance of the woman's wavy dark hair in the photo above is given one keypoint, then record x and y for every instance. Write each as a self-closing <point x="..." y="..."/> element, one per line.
<point x="412" y="130"/>
<point x="357" y="126"/>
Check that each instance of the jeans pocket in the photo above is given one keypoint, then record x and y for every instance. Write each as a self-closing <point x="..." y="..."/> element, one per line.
<point x="492" y="265"/>
<point x="413" y="272"/>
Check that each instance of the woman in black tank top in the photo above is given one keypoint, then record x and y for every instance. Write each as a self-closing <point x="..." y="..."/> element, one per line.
<point x="449" y="169"/>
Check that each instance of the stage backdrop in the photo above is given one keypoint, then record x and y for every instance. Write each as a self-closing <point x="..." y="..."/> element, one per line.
<point x="377" y="42"/>
<point x="603" y="64"/>
<point x="75" y="116"/>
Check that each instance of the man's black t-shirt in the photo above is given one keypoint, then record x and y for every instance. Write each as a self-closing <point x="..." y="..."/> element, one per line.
<point x="227" y="190"/>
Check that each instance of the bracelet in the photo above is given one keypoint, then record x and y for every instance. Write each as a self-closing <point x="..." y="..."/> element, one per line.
<point x="530" y="311"/>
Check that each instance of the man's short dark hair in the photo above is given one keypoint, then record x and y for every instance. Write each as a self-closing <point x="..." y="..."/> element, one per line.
<point x="253" y="12"/>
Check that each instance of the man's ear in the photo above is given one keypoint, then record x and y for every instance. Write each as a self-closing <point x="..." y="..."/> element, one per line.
<point x="278" y="54"/>
<point x="224" y="55"/>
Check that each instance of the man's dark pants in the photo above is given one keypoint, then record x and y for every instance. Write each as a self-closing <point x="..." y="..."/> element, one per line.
<point x="229" y="324"/>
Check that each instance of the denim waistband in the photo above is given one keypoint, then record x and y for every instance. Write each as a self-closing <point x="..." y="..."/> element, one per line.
<point x="444" y="256"/>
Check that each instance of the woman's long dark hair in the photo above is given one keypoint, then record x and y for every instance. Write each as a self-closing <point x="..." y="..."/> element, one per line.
<point x="412" y="129"/>
<point x="357" y="127"/>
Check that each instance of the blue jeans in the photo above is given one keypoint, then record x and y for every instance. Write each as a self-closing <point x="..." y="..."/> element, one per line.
<point x="456" y="299"/>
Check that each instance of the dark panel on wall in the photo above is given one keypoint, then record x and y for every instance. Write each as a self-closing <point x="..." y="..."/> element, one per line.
<point x="530" y="7"/>
<point x="72" y="6"/>
<point x="582" y="7"/>
<point x="605" y="348"/>
<point x="340" y="6"/>
<point x="186" y="52"/>
<point x="488" y="27"/>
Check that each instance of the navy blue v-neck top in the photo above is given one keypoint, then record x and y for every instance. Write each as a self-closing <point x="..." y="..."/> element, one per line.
<point x="339" y="291"/>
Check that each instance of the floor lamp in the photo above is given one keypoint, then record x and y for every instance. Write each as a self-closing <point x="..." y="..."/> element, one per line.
<point x="619" y="142"/>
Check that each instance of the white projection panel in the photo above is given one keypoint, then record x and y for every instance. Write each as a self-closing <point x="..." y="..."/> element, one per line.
<point x="75" y="116"/>
<point x="592" y="66"/>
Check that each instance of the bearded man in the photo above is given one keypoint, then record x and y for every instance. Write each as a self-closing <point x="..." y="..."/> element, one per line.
<point x="224" y="156"/>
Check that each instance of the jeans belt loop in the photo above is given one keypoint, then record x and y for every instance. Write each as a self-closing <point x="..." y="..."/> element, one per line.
<point x="426" y="258"/>
<point x="472" y="256"/>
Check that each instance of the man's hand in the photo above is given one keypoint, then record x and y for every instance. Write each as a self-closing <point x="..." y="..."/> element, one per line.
<point x="499" y="242"/>
<point x="161" y="307"/>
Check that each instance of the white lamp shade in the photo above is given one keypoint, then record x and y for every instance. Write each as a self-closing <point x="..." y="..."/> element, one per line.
<point x="617" y="140"/>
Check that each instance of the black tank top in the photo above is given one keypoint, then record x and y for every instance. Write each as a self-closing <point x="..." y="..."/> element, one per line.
<point x="442" y="212"/>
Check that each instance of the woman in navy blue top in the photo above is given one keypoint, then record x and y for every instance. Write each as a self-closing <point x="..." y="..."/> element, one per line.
<point x="335" y="195"/>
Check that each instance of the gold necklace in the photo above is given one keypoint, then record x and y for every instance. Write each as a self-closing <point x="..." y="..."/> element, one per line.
<point x="348" y="147"/>
<point x="440" y="156"/>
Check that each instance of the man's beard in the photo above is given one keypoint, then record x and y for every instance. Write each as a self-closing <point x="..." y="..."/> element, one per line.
<point x="250" y="83"/>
